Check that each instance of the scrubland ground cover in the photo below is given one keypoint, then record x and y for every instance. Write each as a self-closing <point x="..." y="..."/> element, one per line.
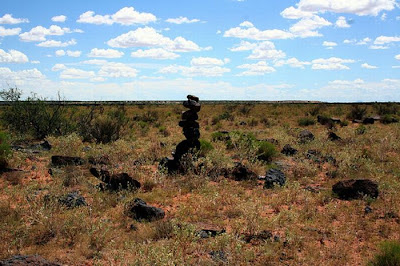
<point x="306" y="223"/>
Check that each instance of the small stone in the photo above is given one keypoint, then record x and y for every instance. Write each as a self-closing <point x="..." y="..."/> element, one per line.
<point x="288" y="150"/>
<point x="140" y="211"/>
<point x="274" y="176"/>
<point x="306" y="136"/>
<point x="72" y="200"/>
<point x="57" y="160"/>
<point x="206" y="233"/>
<point x="186" y="146"/>
<point x="21" y="260"/>
<point x="241" y="172"/>
<point x="218" y="255"/>
<point x="355" y="189"/>
<point x="115" y="181"/>
<point x="368" y="121"/>
<point x="367" y="209"/>
<point x="333" y="137"/>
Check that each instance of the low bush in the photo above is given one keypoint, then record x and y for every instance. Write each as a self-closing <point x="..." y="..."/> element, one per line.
<point x="388" y="119"/>
<point x="205" y="147"/>
<point x="386" y="108"/>
<point x="306" y="121"/>
<point x="5" y="150"/>
<point x="266" y="151"/>
<point x="357" y="112"/>
<point x="389" y="255"/>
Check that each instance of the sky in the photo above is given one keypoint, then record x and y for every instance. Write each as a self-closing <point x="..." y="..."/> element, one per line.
<point x="265" y="50"/>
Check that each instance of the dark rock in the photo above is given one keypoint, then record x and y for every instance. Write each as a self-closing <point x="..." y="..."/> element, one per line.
<point x="104" y="160"/>
<point x="306" y="136"/>
<point x="357" y="121"/>
<point x="140" y="211"/>
<point x="333" y="137"/>
<point x="367" y="209"/>
<point x="188" y="123"/>
<point x="193" y="98"/>
<point x="33" y="260"/>
<point x="186" y="146"/>
<point x="57" y="160"/>
<point x="242" y="123"/>
<point x="72" y="200"/>
<point x="45" y="145"/>
<point x="262" y="236"/>
<point x="314" y="155"/>
<point x="192" y="105"/>
<point x="336" y="120"/>
<point x="368" y="121"/>
<point x="190" y="115"/>
<point x="274" y="176"/>
<point x="241" y="172"/>
<point x="355" y="189"/>
<point x="191" y="133"/>
<point x="168" y="164"/>
<point x="288" y="150"/>
<point x="206" y="233"/>
<point x="115" y="181"/>
<point x="218" y="255"/>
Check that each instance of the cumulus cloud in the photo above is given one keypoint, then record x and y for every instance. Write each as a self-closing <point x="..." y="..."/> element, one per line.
<point x="60" y="18"/>
<point x="60" y="53"/>
<point x="259" y="69"/>
<point x="245" y="31"/>
<point x="105" y="53"/>
<point x="295" y="13"/>
<point x="74" y="73"/>
<point x="117" y="70"/>
<point x="246" y="24"/>
<point x="292" y="62"/>
<point x="39" y="33"/>
<point x="361" y="8"/>
<point x="397" y="57"/>
<point x="260" y="51"/>
<point x="200" y="66"/>
<point x="23" y="77"/>
<point x="208" y="61"/>
<point x="381" y="40"/>
<point x="9" y="19"/>
<point x="9" y="32"/>
<point x="13" y="56"/>
<point x="125" y="16"/>
<point x="155" y="53"/>
<point x="68" y="53"/>
<point x="182" y="20"/>
<point x="378" y="47"/>
<point x="58" y="67"/>
<point x="149" y="37"/>
<point x="307" y="27"/>
<point x="341" y="22"/>
<point x="332" y="63"/>
<point x="329" y="44"/>
<point x="368" y="66"/>
<point x="53" y="43"/>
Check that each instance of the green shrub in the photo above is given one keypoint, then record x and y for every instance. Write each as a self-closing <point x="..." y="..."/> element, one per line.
<point x="266" y="151"/>
<point x="5" y="150"/>
<point x="388" y="119"/>
<point x="205" y="147"/>
<point x="34" y="116"/>
<point x="306" y="121"/>
<point x="386" y="108"/>
<point x="316" y="109"/>
<point x="360" y="130"/>
<point x="357" y="112"/>
<point x="164" y="131"/>
<point x="389" y="255"/>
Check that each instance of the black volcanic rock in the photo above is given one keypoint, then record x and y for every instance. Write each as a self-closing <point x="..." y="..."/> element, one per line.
<point x="58" y="160"/>
<point x="274" y="177"/>
<point x="140" y="211"/>
<point x="356" y="189"/>
<point x="115" y="181"/>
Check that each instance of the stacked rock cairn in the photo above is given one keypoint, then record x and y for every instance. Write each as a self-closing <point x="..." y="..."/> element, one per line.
<point x="190" y="131"/>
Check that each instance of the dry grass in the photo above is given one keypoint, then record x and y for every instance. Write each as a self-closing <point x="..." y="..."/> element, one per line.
<point x="309" y="225"/>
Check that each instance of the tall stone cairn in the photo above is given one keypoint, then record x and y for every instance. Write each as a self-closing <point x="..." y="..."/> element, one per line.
<point x="191" y="132"/>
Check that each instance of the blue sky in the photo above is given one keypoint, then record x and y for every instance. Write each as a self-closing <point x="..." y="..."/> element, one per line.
<point x="327" y="50"/>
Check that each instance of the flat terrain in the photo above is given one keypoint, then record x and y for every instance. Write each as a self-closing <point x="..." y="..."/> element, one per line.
<point x="300" y="223"/>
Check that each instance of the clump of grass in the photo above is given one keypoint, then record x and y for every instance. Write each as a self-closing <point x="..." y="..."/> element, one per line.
<point x="306" y="121"/>
<point x="205" y="147"/>
<point x="361" y="130"/>
<point x="389" y="255"/>
<point x="266" y="151"/>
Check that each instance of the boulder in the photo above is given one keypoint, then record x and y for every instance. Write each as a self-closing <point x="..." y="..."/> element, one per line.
<point x="115" y="181"/>
<point x="22" y="260"/>
<point x="72" y="200"/>
<point x="192" y="105"/>
<point x="241" y="172"/>
<point x="368" y="121"/>
<point x="58" y="160"/>
<point x="355" y="189"/>
<point x="140" y="211"/>
<point x="191" y="133"/>
<point x="188" y="124"/>
<point x="306" y="136"/>
<point x="333" y="137"/>
<point x="193" y="98"/>
<point x="186" y="146"/>
<point x="274" y="177"/>
<point x="190" y="115"/>
<point x="288" y="150"/>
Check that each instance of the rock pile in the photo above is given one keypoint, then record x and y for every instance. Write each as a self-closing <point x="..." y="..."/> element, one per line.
<point x="191" y="132"/>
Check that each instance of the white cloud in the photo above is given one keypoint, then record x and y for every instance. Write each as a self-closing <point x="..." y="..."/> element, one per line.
<point x="397" y="57"/>
<point x="105" y="53"/>
<point x="74" y="53"/>
<point x="58" y="67"/>
<point x="329" y="44"/>
<point x="60" y="53"/>
<point x="260" y="51"/>
<point x="35" y="62"/>
<point x="60" y="18"/>
<point x="13" y="56"/>
<point x="8" y="19"/>
<point x="292" y="62"/>
<point x="378" y="47"/>
<point x="155" y="53"/>
<point x="253" y="33"/>
<point x="201" y="66"/>
<point x="125" y="16"/>
<point x="39" y="33"/>
<point x="381" y="40"/>
<point x="117" y="70"/>
<point x="332" y="63"/>
<point x="364" y="41"/>
<point x="182" y="20"/>
<point x="9" y="32"/>
<point x="149" y="37"/>
<point x="295" y="13"/>
<point x="367" y="66"/>
<point x="31" y="78"/>
<point x="358" y="7"/>
<point x="246" y="24"/>
<point x="384" y="16"/>
<point x="207" y="61"/>
<point x="74" y="73"/>
<point x="307" y="27"/>
<point x="341" y="22"/>
<point x="53" y="43"/>
<point x="95" y="62"/>
<point x="258" y="69"/>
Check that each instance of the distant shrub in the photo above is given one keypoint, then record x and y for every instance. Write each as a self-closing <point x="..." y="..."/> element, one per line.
<point x="316" y="109"/>
<point x="357" y="112"/>
<point x="266" y="151"/>
<point x="306" y="121"/>
<point x="344" y="123"/>
<point x="253" y="122"/>
<point x="224" y="116"/>
<point x="388" y="119"/>
<point x="219" y="136"/>
<point x="5" y="150"/>
<point x="246" y="108"/>
<point x="386" y="108"/>
<point x="389" y="255"/>
<point x="361" y="130"/>
<point x="164" y="131"/>
<point x="34" y="116"/>
<point x="205" y="147"/>
<point x="149" y="117"/>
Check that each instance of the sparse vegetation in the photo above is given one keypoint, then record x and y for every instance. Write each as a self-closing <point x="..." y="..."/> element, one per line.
<point x="389" y="255"/>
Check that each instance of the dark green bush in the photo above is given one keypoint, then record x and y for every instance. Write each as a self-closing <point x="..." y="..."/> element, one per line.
<point x="5" y="150"/>
<point x="34" y="116"/>
<point x="357" y="112"/>
<point x="306" y="121"/>
<point x="386" y="108"/>
<point x="205" y="147"/>
<point x="266" y="151"/>
<point x="389" y="255"/>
